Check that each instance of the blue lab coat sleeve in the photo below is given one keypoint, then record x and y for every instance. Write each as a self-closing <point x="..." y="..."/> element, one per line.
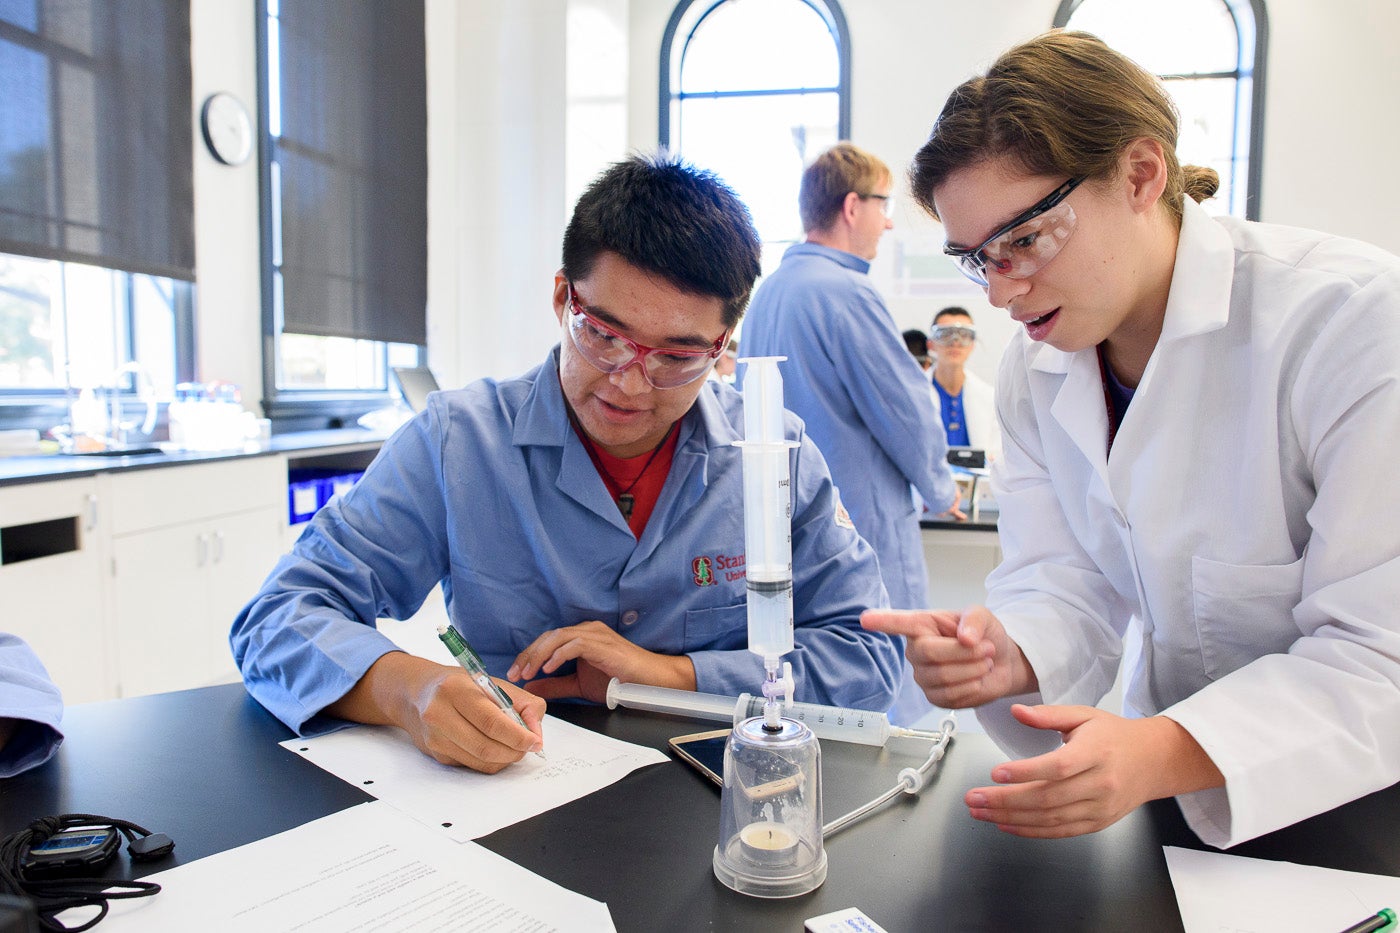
<point x="27" y="695"/>
<point x="490" y="494"/>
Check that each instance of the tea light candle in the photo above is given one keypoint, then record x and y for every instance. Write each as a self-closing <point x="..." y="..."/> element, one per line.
<point x="768" y="843"/>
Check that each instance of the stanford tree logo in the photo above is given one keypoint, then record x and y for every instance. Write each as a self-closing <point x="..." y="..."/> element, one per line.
<point x="702" y="571"/>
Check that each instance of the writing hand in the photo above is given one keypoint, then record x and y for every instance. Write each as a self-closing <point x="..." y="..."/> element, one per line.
<point x="444" y="712"/>
<point x="1107" y="768"/>
<point x="600" y="655"/>
<point x="960" y="659"/>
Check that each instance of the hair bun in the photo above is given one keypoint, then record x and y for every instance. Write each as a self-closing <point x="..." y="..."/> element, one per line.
<point x="1200" y="182"/>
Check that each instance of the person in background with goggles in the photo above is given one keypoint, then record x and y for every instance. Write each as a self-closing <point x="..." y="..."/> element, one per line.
<point x="965" y="401"/>
<point x="585" y="520"/>
<point x="1200" y="420"/>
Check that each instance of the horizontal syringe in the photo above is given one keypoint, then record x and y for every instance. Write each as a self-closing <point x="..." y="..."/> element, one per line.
<point x="828" y="722"/>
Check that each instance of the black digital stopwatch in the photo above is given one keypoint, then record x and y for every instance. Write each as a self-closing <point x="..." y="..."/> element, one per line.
<point x="82" y="850"/>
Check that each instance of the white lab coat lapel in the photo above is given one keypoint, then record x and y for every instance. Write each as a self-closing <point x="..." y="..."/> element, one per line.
<point x="1078" y="407"/>
<point x="1198" y="303"/>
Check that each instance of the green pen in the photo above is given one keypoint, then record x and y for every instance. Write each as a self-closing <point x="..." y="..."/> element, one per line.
<point x="471" y="663"/>
<point x="1382" y="921"/>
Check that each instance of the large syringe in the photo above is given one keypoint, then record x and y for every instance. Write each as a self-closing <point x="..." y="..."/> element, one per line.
<point x="767" y="525"/>
<point x="836" y="723"/>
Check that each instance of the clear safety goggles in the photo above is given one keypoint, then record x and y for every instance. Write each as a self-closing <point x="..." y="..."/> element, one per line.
<point x="608" y="351"/>
<point x="1026" y="244"/>
<point x="952" y="335"/>
<point x="887" y="204"/>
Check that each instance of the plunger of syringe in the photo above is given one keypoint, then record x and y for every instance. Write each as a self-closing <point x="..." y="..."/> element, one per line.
<point x="763" y="401"/>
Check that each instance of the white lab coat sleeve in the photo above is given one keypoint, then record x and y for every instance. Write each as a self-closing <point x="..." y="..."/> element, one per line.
<point x="1048" y="592"/>
<point x="309" y="634"/>
<point x="29" y="696"/>
<point x="1301" y="732"/>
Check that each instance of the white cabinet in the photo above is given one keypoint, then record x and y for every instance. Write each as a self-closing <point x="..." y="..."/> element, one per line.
<point x="51" y="593"/>
<point x="189" y="546"/>
<point x="958" y="561"/>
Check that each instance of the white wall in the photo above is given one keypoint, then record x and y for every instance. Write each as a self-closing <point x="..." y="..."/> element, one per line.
<point x="228" y="299"/>
<point x="511" y="139"/>
<point x="495" y="184"/>
<point x="1331" y="135"/>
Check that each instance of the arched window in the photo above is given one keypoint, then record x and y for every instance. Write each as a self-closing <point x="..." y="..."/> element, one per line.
<point x="754" y="90"/>
<point x="1210" y="54"/>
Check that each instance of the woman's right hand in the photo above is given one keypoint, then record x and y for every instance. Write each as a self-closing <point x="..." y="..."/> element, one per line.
<point x="960" y="659"/>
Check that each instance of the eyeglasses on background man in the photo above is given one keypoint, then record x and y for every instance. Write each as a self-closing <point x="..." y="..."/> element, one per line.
<point x="886" y="202"/>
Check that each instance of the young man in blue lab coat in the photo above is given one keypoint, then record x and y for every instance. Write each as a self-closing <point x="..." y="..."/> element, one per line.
<point x="585" y="519"/>
<point x="967" y="404"/>
<point x="850" y="377"/>
<point x="30" y="709"/>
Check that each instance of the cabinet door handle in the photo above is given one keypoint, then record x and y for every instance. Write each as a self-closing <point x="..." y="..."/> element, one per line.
<point x="91" y="512"/>
<point x="218" y="546"/>
<point x="201" y="550"/>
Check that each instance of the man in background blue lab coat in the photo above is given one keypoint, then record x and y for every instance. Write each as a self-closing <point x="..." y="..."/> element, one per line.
<point x="30" y="709"/>
<point x="585" y="519"/>
<point x="850" y="377"/>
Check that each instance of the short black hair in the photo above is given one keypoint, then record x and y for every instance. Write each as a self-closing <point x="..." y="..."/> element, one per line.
<point x="952" y="311"/>
<point x="671" y="219"/>
<point x="917" y="341"/>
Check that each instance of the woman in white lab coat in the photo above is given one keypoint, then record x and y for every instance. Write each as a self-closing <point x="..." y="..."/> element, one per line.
<point x="1201" y="423"/>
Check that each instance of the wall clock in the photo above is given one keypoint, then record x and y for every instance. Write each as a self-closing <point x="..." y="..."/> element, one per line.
<point x="227" y="128"/>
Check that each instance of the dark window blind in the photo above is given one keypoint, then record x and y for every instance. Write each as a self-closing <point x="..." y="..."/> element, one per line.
<point x="353" y="168"/>
<point x="96" y="138"/>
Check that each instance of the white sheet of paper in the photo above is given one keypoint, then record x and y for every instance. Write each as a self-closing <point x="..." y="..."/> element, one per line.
<point x="465" y="804"/>
<point x="1217" y="892"/>
<point x="366" y="868"/>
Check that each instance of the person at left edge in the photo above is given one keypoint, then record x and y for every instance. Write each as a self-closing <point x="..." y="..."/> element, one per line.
<point x="510" y="493"/>
<point x="31" y="709"/>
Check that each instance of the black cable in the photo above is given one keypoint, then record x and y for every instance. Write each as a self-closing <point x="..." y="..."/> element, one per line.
<point x="53" y="895"/>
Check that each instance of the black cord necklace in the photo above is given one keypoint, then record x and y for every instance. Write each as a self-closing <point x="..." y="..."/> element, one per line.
<point x="624" y="499"/>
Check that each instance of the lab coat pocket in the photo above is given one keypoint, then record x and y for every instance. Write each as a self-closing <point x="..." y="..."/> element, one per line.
<point x="721" y="627"/>
<point x="502" y="612"/>
<point x="1243" y="611"/>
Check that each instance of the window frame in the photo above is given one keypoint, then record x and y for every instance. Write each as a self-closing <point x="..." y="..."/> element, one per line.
<point x="685" y="16"/>
<point x="1256" y="73"/>
<point x="42" y="409"/>
<point x="295" y="409"/>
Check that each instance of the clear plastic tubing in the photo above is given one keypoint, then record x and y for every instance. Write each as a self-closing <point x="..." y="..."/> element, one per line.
<point x="767" y="512"/>
<point x="862" y="727"/>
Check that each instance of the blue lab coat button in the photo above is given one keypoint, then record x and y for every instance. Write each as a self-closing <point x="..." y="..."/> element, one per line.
<point x="630" y="617"/>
